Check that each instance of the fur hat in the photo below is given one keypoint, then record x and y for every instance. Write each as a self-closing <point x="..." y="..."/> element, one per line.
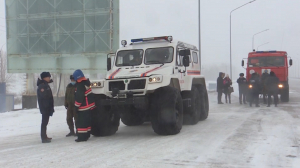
<point x="45" y="74"/>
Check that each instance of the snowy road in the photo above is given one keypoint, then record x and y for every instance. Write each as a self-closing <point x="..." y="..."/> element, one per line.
<point x="232" y="136"/>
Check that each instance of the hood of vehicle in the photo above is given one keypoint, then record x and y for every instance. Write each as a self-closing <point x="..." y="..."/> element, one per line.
<point x="135" y="72"/>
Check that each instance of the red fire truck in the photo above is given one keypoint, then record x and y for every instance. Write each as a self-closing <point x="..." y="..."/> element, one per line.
<point x="276" y="61"/>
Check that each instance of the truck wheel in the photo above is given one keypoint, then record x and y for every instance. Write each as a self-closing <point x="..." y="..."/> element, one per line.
<point x="191" y="114"/>
<point x="105" y="121"/>
<point x="204" y="109"/>
<point x="131" y="116"/>
<point x="285" y="95"/>
<point x="166" y="111"/>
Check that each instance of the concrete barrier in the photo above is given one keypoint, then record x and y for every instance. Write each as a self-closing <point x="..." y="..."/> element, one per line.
<point x="29" y="101"/>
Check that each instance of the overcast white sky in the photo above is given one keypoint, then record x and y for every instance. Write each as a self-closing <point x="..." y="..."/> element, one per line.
<point x="179" y="18"/>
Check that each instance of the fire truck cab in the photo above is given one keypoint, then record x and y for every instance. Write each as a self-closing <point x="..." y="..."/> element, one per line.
<point x="276" y="61"/>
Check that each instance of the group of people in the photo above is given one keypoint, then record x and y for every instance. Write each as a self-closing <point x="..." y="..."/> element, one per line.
<point x="224" y="86"/>
<point x="267" y="84"/>
<point x="78" y="102"/>
<point x="249" y="91"/>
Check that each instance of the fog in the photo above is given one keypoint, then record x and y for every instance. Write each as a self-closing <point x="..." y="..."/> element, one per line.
<point x="173" y="17"/>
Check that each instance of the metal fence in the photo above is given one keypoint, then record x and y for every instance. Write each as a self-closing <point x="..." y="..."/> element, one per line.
<point x="61" y="35"/>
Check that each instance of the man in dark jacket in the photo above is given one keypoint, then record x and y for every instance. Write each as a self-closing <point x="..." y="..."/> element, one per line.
<point x="254" y="86"/>
<point x="69" y="104"/>
<point x="264" y="76"/>
<point x="46" y="105"/>
<point x="272" y="88"/>
<point x="220" y="87"/>
<point x="84" y="104"/>
<point x="242" y="81"/>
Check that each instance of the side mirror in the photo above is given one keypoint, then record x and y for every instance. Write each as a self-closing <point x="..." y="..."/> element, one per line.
<point x="108" y="64"/>
<point x="291" y="62"/>
<point x="185" y="52"/>
<point x="243" y="63"/>
<point x="186" y="61"/>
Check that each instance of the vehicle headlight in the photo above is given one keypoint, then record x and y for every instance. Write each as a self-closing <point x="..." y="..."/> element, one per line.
<point x="155" y="79"/>
<point x="250" y="86"/>
<point x="98" y="84"/>
<point x="280" y="86"/>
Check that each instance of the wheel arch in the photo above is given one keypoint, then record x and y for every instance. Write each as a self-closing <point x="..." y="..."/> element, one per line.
<point x="174" y="82"/>
<point x="199" y="81"/>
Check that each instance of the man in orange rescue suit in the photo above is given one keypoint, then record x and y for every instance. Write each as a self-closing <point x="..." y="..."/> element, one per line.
<point x="84" y="104"/>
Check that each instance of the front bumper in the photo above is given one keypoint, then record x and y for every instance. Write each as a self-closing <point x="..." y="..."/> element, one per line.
<point x="141" y="101"/>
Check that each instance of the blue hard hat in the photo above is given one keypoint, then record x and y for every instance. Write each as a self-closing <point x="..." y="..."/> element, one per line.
<point x="78" y="74"/>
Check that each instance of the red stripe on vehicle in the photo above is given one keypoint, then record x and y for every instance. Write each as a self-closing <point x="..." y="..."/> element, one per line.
<point x="114" y="74"/>
<point x="193" y="72"/>
<point x="145" y="73"/>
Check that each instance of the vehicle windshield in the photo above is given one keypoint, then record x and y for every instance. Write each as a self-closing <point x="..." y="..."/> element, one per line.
<point x="268" y="61"/>
<point x="159" y="55"/>
<point x="129" y="58"/>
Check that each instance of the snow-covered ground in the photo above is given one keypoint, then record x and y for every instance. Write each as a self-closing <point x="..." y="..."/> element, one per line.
<point x="232" y="136"/>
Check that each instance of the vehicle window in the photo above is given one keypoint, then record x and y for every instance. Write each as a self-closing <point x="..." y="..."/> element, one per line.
<point x="129" y="58"/>
<point x="195" y="57"/>
<point x="159" y="55"/>
<point x="267" y="61"/>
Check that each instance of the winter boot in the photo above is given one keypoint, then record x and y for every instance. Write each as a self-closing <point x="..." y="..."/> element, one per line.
<point x="72" y="133"/>
<point x="78" y="140"/>
<point x="46" y="141"/>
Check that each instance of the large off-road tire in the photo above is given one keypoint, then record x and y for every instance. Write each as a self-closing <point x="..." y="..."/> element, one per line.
<point x="105" y="120"/>
<point x="166" y="111"/>
<point x="191" y="115"/>
<point x="204" y="109"/>
<point x="285" y="95"/>
<point x="131" y="116"/>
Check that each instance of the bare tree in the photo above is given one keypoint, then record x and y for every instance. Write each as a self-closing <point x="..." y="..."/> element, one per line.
<point x="4" y="76"/>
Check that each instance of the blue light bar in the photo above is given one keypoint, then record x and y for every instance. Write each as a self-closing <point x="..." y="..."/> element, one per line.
<point x="273" y="51"/>
<point x="167" y="38"/>
<point x="136" y="40"/>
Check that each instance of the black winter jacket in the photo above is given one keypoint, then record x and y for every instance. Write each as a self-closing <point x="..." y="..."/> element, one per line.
<point x="255" y="82"/>
<point x="45" y="98"/>
<point x="220" y="85"/>
<point x="272" y="83"/>
<point x="242" y="84"/>
<point x="84" y="99"/>
<point x="264" y="77"/>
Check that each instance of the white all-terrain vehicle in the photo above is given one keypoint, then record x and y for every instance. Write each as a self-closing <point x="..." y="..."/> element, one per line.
<point x="152" y="79"/>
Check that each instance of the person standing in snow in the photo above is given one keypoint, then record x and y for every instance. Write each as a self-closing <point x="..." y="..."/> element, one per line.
<point x="46" y="103"/>
<point x="255" y="87"/>
<point x="242" y="81"/>
<point x="220" y="87"/>
<point x="70" y="106"/>
<point x="84" y="104"/>
<point x="264" y="76"/>
<point x="227" y="83"/>
<point x="272" y="82"/>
